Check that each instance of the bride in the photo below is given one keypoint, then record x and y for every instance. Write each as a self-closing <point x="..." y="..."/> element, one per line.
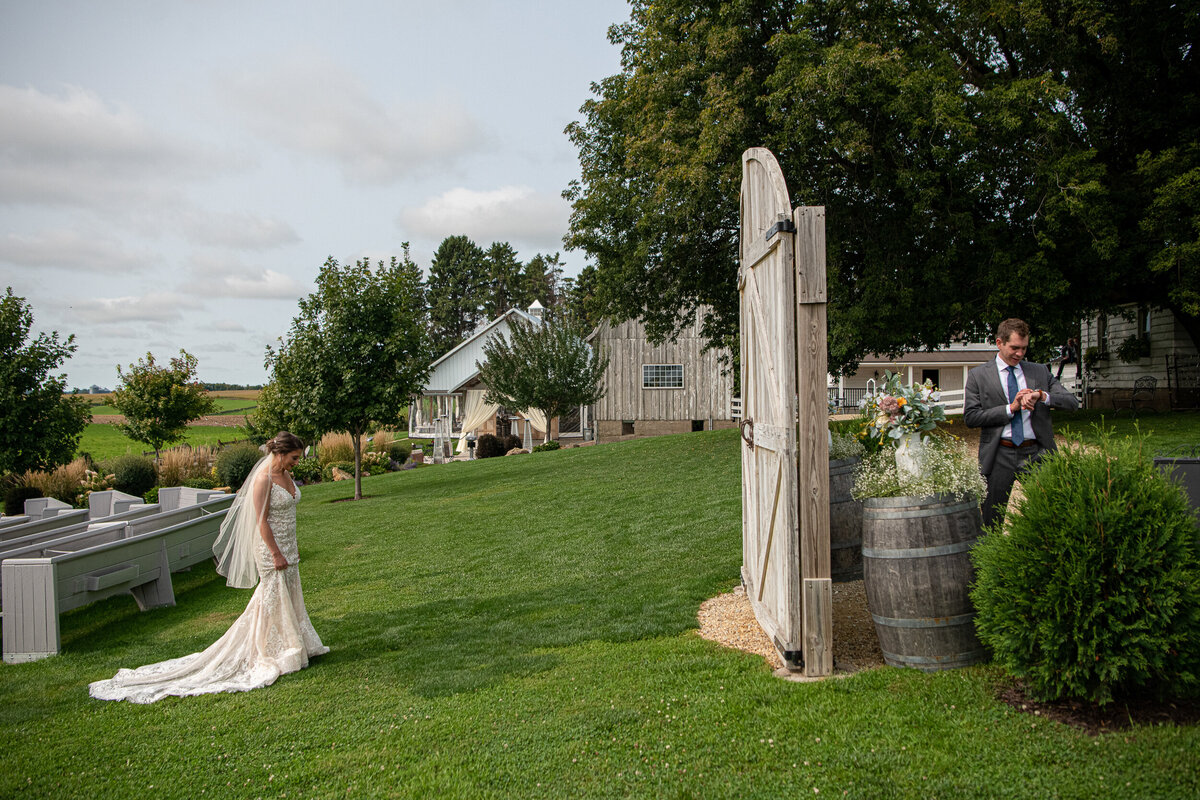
<point x="273" y="636"/>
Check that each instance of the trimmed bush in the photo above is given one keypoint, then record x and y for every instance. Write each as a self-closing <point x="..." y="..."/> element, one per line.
<point x="235" y="462"/>
<point x="133" y="474"/>
<point x="15" y="497"/>
<point x="200" y="483"/>
<point x="307" y="470"/>
<point x="151" y="496"/>
<point x="489" y="446"/>
<point x="344" y="466"/>
<point x="550" y="445"/>
<point x="399" y="451"/>
<point x="512" y="442"/>
<point x="1092" y="594"/>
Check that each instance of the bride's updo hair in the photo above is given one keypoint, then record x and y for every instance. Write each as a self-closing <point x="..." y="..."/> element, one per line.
<point x="284" y="442"/>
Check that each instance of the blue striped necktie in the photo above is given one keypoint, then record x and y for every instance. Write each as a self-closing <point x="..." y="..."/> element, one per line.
<point x="1018" y="420"/>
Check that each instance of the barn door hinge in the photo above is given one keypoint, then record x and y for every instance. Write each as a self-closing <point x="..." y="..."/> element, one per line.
<point x="783" y="226"/>
<point x="793" y="658"/>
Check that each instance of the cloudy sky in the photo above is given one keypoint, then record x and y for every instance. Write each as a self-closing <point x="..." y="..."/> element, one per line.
<point x="173" y="173"/>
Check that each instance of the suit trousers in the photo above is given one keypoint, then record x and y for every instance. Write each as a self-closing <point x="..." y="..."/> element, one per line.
<point x="1010" y="462"/>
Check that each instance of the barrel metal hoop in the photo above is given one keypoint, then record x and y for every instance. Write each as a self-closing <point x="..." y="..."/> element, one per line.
<point x="919" y="552"/>
<point x="958" y="659"/>
<point x="924" y="622"/>
<point x="937" y="511"/>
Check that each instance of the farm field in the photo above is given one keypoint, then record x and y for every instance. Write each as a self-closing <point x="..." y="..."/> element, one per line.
<point x="233" y="402"/>
<point x="103" y="441"/>
<point x="526" y="627"/>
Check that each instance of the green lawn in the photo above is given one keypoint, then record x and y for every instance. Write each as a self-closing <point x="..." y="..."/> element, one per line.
<point x="1168" y="431"/>
<point x="525" y="627"/>
<point x="104" y="441"/>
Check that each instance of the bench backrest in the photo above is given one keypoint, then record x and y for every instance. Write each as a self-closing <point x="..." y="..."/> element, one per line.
<point x="37" y="525"/>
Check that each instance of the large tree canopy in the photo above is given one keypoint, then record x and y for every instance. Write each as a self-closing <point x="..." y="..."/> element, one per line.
<point x="39" y="427"/>
<point x="977" y="160"/>
<point x="355" y="354"/>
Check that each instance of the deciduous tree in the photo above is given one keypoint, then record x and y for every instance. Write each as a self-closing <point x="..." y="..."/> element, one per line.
<point x="39" y="426"/>
<point x="158" y="402"/>
<point x="356" y="353"/>
<point x="977" y="160"/>
<point x="547" y="366"/>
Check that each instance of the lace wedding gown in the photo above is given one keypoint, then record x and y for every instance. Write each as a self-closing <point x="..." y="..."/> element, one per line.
<point x="272" y="637"/>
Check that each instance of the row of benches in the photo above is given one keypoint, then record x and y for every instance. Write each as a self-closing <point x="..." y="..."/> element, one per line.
<point x="47" y="568"/>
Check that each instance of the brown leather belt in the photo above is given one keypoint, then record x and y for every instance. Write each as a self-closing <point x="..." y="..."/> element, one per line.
<point x="1026" y="443"/>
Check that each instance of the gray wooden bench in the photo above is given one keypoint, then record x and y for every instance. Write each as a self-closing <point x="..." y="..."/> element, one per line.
<point x="130" y="556"/>
<point x="48" y="524"/>
<point x="33" y="543"/>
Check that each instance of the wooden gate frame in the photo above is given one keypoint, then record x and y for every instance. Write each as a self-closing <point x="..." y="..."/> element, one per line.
<point x="798" y="614"/>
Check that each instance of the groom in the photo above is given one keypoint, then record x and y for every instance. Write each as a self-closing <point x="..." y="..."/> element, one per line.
<point x="1010" y="399"/>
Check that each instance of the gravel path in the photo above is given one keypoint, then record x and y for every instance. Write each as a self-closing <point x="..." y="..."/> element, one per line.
<point x="728" y="620"/>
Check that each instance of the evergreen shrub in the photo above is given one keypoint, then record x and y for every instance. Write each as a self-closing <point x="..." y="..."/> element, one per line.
<point x="399" y="451"/>
<point x="550" y="445"/>
<point x="133" y="474"/>
<point x="1093" y="591"/>
<point x="489" y="446"/>
<point x="235" y="462"/>
<point x="15" y="497"/>
<point x="512" y="442"/>
<point x="151" y="496"/>
<point x="307" y="470"/>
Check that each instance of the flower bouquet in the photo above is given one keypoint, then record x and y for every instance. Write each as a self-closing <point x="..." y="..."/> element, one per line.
<point x="901" y="417"/>
<point x="897" y="409"/>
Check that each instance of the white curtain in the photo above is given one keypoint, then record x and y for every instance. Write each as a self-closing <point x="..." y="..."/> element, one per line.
<point x="476" y="411"/>
<point x="538" y="419"/>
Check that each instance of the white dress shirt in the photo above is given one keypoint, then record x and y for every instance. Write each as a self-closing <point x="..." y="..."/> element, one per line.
<point x="1027" y="417"/>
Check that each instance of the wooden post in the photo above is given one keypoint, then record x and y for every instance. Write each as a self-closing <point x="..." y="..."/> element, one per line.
<point x="812" y="440"/>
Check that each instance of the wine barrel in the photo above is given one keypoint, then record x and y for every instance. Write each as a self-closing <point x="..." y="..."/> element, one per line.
<point x="845" y="522"/>
<point x="917" y="572"/>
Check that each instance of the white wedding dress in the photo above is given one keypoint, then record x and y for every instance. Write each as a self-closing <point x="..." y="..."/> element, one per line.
<point x="272" y="637"/>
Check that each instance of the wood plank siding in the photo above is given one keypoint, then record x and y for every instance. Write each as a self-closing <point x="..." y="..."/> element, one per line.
<point x="1167" y="339"/>
<point x="704" y="396"/>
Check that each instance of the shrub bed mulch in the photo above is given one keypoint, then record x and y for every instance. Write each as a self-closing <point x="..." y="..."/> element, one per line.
<point x="1116" y="716"/>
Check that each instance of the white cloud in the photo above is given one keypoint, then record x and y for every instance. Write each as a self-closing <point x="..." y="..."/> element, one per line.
<point x="158" y="307"/>
<point x="73" y="149"/>
<point x="510" y="213"/>
<point x="227" y="326"/>
<point x="312" y="105"/>
<point x="217" y="277"/>
<point x="74" y="250"/>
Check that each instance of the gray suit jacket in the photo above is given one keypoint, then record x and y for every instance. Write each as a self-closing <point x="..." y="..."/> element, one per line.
<point x="985" y="406"/>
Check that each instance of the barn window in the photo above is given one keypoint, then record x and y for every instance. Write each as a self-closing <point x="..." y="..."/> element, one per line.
<point x="662" y="376"/>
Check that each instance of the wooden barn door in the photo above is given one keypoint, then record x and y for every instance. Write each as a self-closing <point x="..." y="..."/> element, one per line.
<point x="767" y="289"/>
<point x="783" y="577"/>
